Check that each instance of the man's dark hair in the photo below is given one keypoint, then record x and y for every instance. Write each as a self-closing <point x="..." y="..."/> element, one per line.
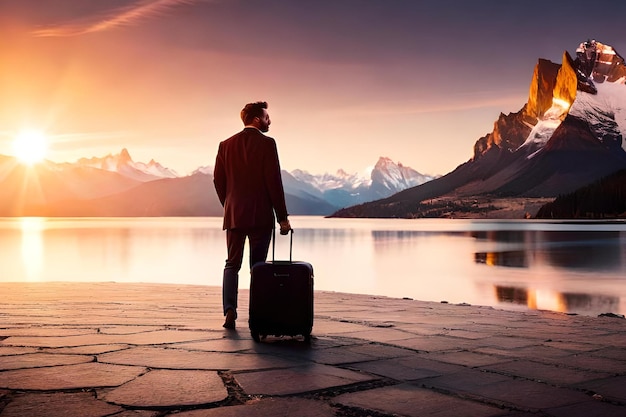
<point x="252" y="110"/>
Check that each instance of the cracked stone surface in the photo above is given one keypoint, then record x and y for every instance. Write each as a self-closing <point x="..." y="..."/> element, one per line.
<point x="155" y="350"/>
<point x="168" y="388"/>
<point x="298" y="379"/>
<point x="270" y="407"/>
<point x="38" y="360"/>
<point x="82" y="376"/>
<point x="169" y="358"/>
<point x="82" y="404"/>
<point x="411" y="401"/>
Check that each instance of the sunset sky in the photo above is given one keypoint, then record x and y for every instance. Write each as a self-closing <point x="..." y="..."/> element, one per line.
<point x="347" y="81"/>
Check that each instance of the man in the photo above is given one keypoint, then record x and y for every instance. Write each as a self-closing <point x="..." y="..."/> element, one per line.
<point x="248" y="183"/>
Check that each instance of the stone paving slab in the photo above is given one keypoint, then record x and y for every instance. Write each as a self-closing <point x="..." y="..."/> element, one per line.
<point x="411" y="401"/>
<point x="88" y="349"/>
<point x="168" y="388"/>
<point x="466" y="358"/>
<point x="42" y="331"/>
<point x="268" y="407"/>
<point x="613" y="388"/>
<point x="506" y="391"/>
<point x="297" y="380"/>
<point x="143" y="338"/>
<point x="406" y="368"/>
<point x="82" y="404"/>
<point x="589" y="408"/>
<point x="38" y="360"/>
<point x="148" y="350"/>
<point x="168" y="358"/>
<point x="13" y="350"/>
<point x="57" y="378"/>
<point x="552" y="374"/>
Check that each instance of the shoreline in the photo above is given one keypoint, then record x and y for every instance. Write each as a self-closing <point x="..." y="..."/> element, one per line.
<point x="513" y="307"/>
<point x="159" y="349"/>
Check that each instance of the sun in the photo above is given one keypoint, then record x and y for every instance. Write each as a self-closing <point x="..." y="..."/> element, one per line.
<point x="30" y="146"/>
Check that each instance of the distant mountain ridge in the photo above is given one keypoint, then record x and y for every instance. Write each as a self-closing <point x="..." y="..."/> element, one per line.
<point x="568" y="134"/>
<point x="124" y="164"/>
<point x="115" y="185"/>
<point x="343" y="189"/>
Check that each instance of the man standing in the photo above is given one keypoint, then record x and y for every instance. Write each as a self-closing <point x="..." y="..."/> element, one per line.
<point x="248" y="183"/>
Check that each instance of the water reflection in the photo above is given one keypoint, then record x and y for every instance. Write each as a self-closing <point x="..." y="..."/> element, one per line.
<point x="557" y="301"/>
<point x="595" y="250"/>
<point x="562" y="270"/>
<point x="513" y="259"/>
<point x="32" y="252"/>
<point x="591" y="250"/>
<point x="556" y="266"/>
<point x="500" y="235"/>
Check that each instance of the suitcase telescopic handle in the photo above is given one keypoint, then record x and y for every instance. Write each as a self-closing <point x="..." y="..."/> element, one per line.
<point x="274" y="244"/>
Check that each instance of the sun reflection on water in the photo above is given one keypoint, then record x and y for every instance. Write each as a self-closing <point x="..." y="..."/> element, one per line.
<point x="32" y="247"/>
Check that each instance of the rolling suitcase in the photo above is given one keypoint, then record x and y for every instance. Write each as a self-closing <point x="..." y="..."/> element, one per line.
<point x="281" y="297"/>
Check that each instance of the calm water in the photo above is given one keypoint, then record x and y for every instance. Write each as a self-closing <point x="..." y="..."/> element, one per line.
<point x="577" y="267"/>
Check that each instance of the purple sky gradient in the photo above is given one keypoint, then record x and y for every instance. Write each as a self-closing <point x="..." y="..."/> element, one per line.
<point x="347" y="80"/>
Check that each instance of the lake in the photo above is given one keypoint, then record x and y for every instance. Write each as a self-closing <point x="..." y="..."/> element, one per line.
<point x="573" y="267"/>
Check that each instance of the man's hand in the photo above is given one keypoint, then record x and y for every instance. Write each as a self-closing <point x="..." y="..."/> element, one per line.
<point x="285" y="227"/>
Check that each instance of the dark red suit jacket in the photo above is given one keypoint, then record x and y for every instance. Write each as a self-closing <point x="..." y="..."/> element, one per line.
<point x="248" y="182"/>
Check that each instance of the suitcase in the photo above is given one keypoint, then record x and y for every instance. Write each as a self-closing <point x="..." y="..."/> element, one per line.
<point x="281" y="297"/>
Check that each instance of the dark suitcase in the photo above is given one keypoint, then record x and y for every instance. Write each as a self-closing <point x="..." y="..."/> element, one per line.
<point x="281" y="297"/>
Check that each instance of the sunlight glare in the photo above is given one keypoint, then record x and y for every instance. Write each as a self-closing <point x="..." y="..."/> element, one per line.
<point x="30" y="146"/>
<point x="564" y="104"/>
<point x="32" y="247"/>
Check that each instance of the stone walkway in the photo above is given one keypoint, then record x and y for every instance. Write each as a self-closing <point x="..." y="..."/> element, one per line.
<point x="110" y="349"/>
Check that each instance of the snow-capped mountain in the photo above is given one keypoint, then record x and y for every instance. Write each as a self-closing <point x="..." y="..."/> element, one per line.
<point x="343" y="189"/>
<point x="570" y="133"/>
<point x="326" y="181"/>
<point x="599" y="97"/>
<point x="123" y="164"/>
<point x="389" y="177"/>
<point x="336" y="190"/>
<point x="115" y="185"/>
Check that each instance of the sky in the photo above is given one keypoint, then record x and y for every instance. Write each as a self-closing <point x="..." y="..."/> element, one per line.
<point x="347" y="81"/>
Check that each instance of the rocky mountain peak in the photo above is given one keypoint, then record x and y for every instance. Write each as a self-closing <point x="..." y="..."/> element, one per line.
<point x="541" y="86"/>
<point x="553" y="90"/>
<point x="123" y="163"/>
<point x="124" y="157"/>
<point x="569" y="133"/>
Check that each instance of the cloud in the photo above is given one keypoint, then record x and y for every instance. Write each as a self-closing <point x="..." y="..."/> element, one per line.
<point x="436" y="104"/>
<point x="123" y="16"/>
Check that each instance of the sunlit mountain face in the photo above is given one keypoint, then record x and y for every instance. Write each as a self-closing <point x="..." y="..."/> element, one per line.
<point x="569" y="134"/>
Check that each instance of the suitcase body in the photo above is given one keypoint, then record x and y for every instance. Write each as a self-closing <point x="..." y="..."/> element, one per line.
<point x="281" y="299"/>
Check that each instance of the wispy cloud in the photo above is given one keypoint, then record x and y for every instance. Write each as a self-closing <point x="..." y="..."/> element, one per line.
<point x="461" y="102"/>
<point x="124" y="16"/>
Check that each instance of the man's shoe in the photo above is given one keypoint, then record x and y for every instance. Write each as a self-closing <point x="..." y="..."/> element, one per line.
<point x="230" y="320"/>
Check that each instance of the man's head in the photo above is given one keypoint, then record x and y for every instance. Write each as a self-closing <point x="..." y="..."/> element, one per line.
<point x="255" y="114"/>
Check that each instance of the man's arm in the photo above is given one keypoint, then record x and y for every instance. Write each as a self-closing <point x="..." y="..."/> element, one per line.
<point x="274" y="184"/>
<point x="219" y="176"/>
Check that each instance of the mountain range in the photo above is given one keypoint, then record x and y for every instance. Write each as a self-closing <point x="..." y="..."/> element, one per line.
<point x="568" y="134"/>
<point x="115" y="185"/>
